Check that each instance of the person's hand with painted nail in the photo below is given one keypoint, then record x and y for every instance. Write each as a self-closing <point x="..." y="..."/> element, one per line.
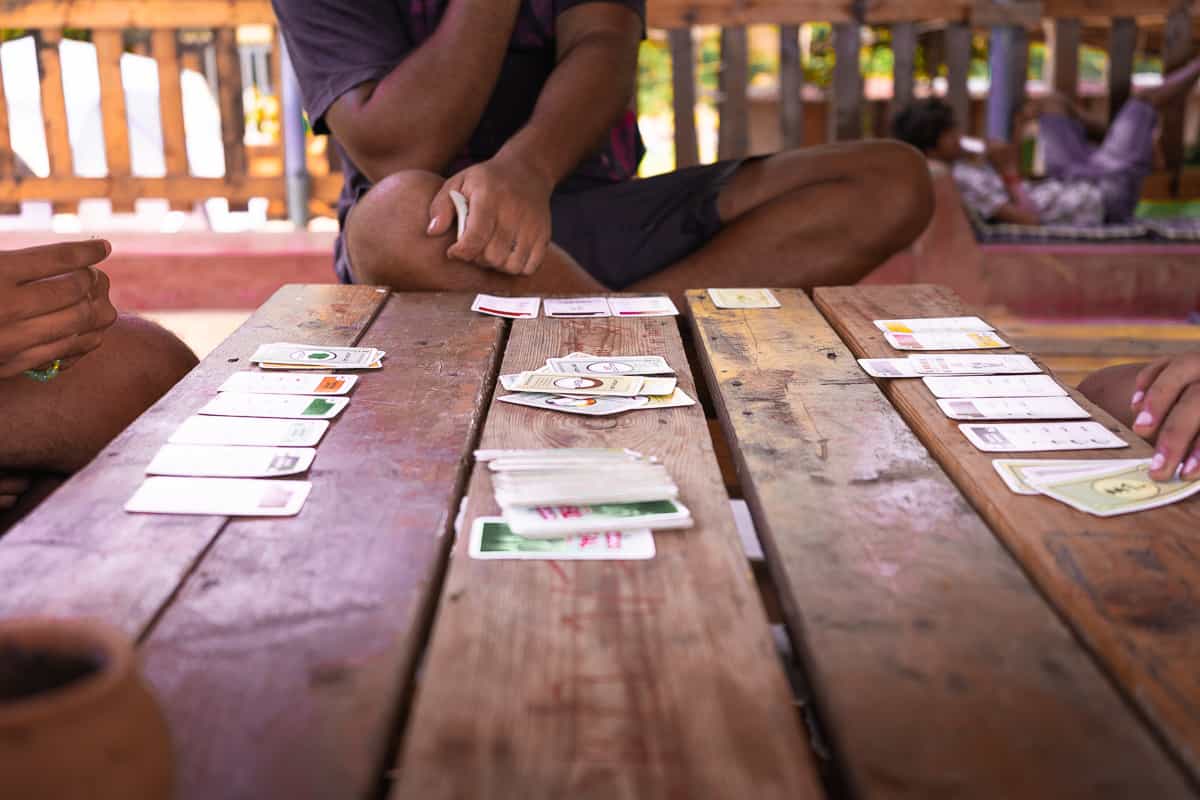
<point x="1166" y="408"/>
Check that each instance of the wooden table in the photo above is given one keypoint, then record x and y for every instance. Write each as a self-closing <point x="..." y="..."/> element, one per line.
<point x="357" y="651"/>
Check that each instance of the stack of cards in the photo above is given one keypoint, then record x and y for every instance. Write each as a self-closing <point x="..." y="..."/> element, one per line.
<point x="576" y="503"/>
<point x="581" y="383"/>
<point x="574" y="307"/>
<point x="259" y="426"/>
<point x="1105" y="488"/>
<point x="743" y="298"/>
<point x="984" y="388"/>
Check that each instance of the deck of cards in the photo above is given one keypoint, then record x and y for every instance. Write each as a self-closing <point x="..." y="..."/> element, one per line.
<point x="576" y="504"/>
<point x="582" y="383"/>
<point x="228" y="457"/>
<point x="574" y="307"/>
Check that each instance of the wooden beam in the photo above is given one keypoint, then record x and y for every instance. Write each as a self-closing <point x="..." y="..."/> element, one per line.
<point x="683" y="82"/>
<point x="54" y="111"/>
<point x="1177" y="49"/>
<point x="181" y="189"/>
<point x="1062" y="56"/>
<point x="846" y="118"/>
<point x="957" y="38"/>
<point x="1122" y="47"/>
<point x="165" y="47"/>
<point x="229" y="94"/>
<point x="8" y="163"/>
<point x="109" y="47"/>
<point x="1009" y="13"/>
<point x="1106" y="8"/>
<point x="904" y="62"/>
<point x="734" y="131"/>
<point x="676" y="13"/>
<point x="42" y="14"/>
<point x="791" y="87"/>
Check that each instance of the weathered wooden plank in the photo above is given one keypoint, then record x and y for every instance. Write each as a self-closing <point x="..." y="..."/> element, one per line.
<point x="54" y="110"/>
<point x="846" y="118"/>
<point x="82" y="554"/>
<point x="904" y="63"/>
<point x="1024" y="14"/>
<point x="791" y="87"/>
<point x="41" y="14"/>
<point x="1062" y="55"/>
<point x="175" y="189"/>
<point x="1176" y="50"/>
<point x="605" y="679"/>
<point x="109" y="47"/>
<point x="1122" y="47"/>
<point x="229" y="94"/>
<point x="734" y="133"/>
<point x="1124" y="584"/>
<point x="165" y="45"/>
<point x="913" y="622"/>
<point x="283" y="662"/>
<point x="957" y="37"/>
<point x="683" y="83"/>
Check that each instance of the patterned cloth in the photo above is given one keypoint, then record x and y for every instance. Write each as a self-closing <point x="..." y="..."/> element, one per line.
<point x="1058" y="202"/>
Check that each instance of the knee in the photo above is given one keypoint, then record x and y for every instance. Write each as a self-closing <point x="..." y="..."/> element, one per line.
<point x="898" y="175"/>
<point x="386" y="232"/>
<point x="158" y="356"/>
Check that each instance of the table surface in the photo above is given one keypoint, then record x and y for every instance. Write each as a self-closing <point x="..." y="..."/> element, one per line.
<point x="958" y="640"/>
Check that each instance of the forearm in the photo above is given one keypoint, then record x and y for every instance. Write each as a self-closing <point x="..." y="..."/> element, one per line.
<point x="1020" y="198"/>
<point x="424" y="111"/>
<point x="588" y="90"/>
<point x="1112" y="389"/>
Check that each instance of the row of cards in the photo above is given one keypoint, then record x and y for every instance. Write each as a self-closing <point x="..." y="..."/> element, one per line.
<point x="582" y="383"/>
<point x="940" y="333"/>
<point x="259" y="426"/>
<point x="574" y="307"/>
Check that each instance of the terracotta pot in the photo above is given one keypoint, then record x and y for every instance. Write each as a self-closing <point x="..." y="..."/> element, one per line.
<point x="76" y="720"/>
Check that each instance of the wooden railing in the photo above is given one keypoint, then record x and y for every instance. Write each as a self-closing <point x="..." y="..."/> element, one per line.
<point x="110" y="22"/>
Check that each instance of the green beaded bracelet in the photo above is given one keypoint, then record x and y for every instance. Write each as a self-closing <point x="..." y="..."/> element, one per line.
<point x="47" y="374"/>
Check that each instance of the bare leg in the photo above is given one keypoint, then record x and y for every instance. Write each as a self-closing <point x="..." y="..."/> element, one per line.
<point x="820" y="216"/>
<point x="59" y="426"/>
<point x="1175" y="85"/>
<point x="1111" y="388"/>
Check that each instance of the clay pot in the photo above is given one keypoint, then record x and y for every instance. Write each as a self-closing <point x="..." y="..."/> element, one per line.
<point x="76" y="720"/>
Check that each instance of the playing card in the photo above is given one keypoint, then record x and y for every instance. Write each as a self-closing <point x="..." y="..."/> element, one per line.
<point x="888" y="367"/>
<point x="642" y="307"/>
<point x="461" y="210"/>
<point x="1041" y="436"/>
<point x="589" y="385"/>
<point x="610" y="365"/>
<point x="676" y="399"/>
<point x="1013" y="408"/>
<point x="995" y="386"/>
<point x="257" y="432"/>
<point x="227" y="497"/>
<point x="589" y="484"/>
<point x="658" y="387"/>
<point x="269" y="365"/>
<point x="507" y="307"/>
<point x="212" y="461"/>
<point x="1013" y="471"/>
<point x="933" y="324"/>
<point x="259" y="383"/>
<point x="576" y="307"/>
<point x="559" y="454"/>
<point x="588" y="406"/>
<point x="277" y="406"/>
<point x="549" y="522"/>
<point x="743" y="298"/>
<point x="1122" y="490"/>
<point x="972" y="364"/>
<point x="318" y="357"/>
<point x="492" y="539"/>
<point x="944" y="340"/>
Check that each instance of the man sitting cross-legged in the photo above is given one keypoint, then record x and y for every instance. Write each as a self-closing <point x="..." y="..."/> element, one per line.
<point x="54" y="306"/>
<point x="523" y="107"/>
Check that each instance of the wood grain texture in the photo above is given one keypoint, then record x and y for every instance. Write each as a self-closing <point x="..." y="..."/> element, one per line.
<point x="283" y="661"/>
<point x="109" y="48"/>
<point x="1126" y="585"/>
<point x="791" y="87"/>
<point x="936" y="668"/>
<point x="82" y="555"/>
<point x="734" y="134"/>
<point x="646" y="679"/>
<point x="683" y="83"/>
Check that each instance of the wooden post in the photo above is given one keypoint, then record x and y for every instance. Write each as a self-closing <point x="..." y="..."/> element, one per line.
<point x="791" y="88"/>
<point x="1122" y="45"/>
<point x="7" y="162"/>
<point x="170" y="101"/>
<point x="54" y="111"/>
<point x="904" y="52"/>
<point x="683" y="81"/>
<point x="1001" y="98"/>
<point x="958" y="63"/>
<point x="233" y="115"/>
<point x="1062" y="45"/>
<point x="734" y="132"/>
<point x="109" y="46"/>
<point x="1177" y="42"/>
<point x="846" y="118"/>
<point x="295" y="151"/>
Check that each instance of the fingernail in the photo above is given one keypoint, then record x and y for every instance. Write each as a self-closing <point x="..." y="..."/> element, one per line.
<point x="1191" y="466"/>
<point x="107" y="248"/>
<point x="1157" y="462"/>
<point x="1143" y="419"/>
<point x="1138" y="397"/>
<point x="432" y="224"/>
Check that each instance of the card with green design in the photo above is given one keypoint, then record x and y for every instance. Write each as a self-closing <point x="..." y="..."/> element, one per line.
<point x="305" y="355"/>
<point x="547" y="522"/>
<point x="275" y="406"/>
<point x="491" y="538"/>
<point x="1122" y="490"/>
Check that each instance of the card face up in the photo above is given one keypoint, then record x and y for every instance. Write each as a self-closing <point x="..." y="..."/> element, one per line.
<point x="576" y="307"/>
<point x="277" y="406"/>
<point x="587" y="406"/>
<point x="743" y="298"/>
<point x="256" y="432"/>
<point x="1041" y="436"/>
<point x="316" y="357"/>
<point x="944" y="340"/>
<point x="1017" y="473"/>
<point x="291" y="383"/>
<point x="978" y="364"/>
<point x="611" y="365"/>
<point x="995" y="386"/>
<point x="590" y="385"/>
<point x="227" y="497"/>
<point x="642" y="307"/>
<point x="492" y="539"/>
<point x="933" y="324"/>
<point x="507" y="307"/>
<point x="1013" y="408"/>
<point x="1122" y="490"/>
<point x="888" y="367"/>
<point x="215" y="461"/>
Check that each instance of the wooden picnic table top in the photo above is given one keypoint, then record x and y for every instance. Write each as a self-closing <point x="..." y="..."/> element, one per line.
<point x="285" y="651"/>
